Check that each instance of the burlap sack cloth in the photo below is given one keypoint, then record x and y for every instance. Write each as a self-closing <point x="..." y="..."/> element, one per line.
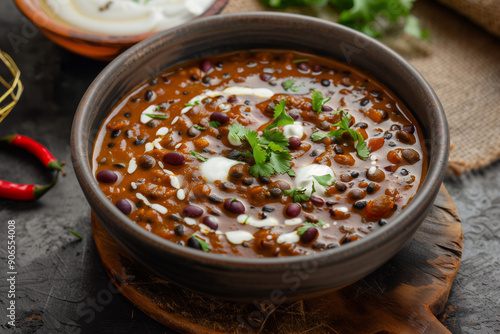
<point x="462" y="64"/>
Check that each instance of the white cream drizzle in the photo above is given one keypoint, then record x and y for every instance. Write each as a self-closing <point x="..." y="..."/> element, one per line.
<point x="249" y="220"/>
<point x="289" y="238"/>
<point x="238" y="237"/>
<point x="157" y="207"/>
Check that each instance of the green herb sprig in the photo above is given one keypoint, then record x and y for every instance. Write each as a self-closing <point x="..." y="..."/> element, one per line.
<point x="343" y="126"/>
<point x="305" y="226"/>
<point x="318" y="101"/>
<point x="198" y="156"/>
<point x="203" y="243"/>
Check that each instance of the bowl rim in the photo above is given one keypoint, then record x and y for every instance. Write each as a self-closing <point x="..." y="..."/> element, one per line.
<point x="32" y="10"/>
<point x="423" y="199"/>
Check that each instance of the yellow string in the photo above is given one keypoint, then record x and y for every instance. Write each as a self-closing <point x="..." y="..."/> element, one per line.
<point x="14" y="87"/>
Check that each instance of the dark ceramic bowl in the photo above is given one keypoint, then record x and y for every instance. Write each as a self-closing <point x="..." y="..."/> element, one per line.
<point x="269" y="278"/>
<point x="88" y="44"/>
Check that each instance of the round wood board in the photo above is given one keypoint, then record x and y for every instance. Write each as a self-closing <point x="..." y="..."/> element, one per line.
<point x="402" y="296"/>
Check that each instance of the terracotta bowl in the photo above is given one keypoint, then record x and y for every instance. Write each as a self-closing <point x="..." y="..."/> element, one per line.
<point x="269" y="278"/>
<point x="88" y="44"/>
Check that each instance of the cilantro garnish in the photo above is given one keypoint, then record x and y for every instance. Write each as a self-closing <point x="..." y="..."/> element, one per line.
<point x="297" y="194"/>
<point x="214" y="124"/>
<point x="75" y="234"/>
<point x="269" y="150"/>
<point x="300" y="61"/>
<point x="305" y="227"/>
<point x="343" y="126"/>
<point x="288" y="84"/>
<point x="201" y="128"/>
<point x="198" y="156"/>
<point x="157" y="116"/>
<point x="204" y="245"/>
<point x="318" y="101"/>
<point x="318" y="135"/>
<point x="325" y="180"/>
<point x="281" y="117"/>
<point x="366" y="15"/>
<point x="246" y="219"/>
<point x="191" y="104"/>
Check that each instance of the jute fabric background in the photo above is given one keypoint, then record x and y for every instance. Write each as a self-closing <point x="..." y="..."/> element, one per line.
<point x="462" y="64"/>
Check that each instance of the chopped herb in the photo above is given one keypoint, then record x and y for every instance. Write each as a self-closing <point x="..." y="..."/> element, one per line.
<point x="305" y="227"/>
<point x="157" y="108"/>
<point x="288" y="84"/>
<point x="300" y="61"/>
<point x="157" y="116"/>
<point x="75" y="234"/>
<point x="343" y="126"/>
<point x="318" y="135"/>
<point x="372" y="17"/>
<point x="325" y="180"/>
<point x="297" y="194"/>
<point x="281" y="117"/>
<point x="204" y="245"/>
<point x="198" y="156"/>
<point x="318" y="101"/>
<point x="270" y="151"/>
<point x="246" y="219"/>
<point x="214" y="124"/>
<point x="191" y="104"/>
<point x="201" y="128"/>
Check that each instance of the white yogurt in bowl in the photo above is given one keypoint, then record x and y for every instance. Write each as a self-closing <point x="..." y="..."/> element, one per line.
<point x="125" y="17"/>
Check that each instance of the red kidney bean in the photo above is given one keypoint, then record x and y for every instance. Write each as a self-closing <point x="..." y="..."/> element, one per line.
<point x="106" y="176"/>
<point x="302" y="66"/>
<point x="206" y="65"/>
<point x="317" y="68"/>
<point x="326" y="108"/>
<point x="174" y="159"/>
<point x="124" y="206"/>
<point x="293" y="210"/>
<point x="219" y="117"/>
<point x="234" y="206"/>
<point x="388" y="168"/>
<point x="294" y="143"/>
<point x="409" y="128"/>
<point x="192" y="211"/>
<point x="211" y="222"/>
<point x="265" y="77"/>
<point x="309" y="235"/>
<point x="318" y="201"/>
<point x="294" y="113"/>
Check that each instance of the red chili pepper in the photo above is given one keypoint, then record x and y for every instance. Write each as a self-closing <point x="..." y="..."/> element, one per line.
<point x="35" y="148"/>
<point x="24" y="192"/>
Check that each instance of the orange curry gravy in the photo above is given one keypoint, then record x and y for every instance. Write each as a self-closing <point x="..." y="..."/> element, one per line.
<point x="152" y="168"/>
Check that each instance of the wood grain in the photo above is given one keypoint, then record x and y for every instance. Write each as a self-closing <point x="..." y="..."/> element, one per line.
<point x="403" y="296"/>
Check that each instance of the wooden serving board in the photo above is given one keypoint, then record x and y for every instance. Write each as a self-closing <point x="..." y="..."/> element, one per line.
<point x="403" y="296"/>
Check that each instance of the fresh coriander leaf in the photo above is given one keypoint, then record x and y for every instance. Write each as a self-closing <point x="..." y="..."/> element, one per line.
<point x="201" y="128"/>
<point x="412" y="28"/>
<point x="214" y="124"/>
<point x="258" y="152"/>
<point x="288" y="84"/>
<point x="318" y="135"/>
<point x="291" y="172"/>
<point x="318" y="101"/>
<point x="157" y="116"/>
<point x="300" y="61"/>
<point x="275" y="147"/>
<point x="75" y="234"/>
<point x="281" y="117"/>
<point x="191" y="104"/>
<point x="313" y="189"/>
<point x="336" y="133"/>
<point x="297" y="194"/>
<point x="157" y="108"/>
<point x="263" y="169"/>
<point x="274" y="136"/>
<point x="302" y="230"/>
<point x="203" y="244"/>
<point x="246" y="219"/>
<point x="280" y="161"/>
<point x="361" y="147"/>
<point x="198" y="156"/>
<point x="325" y="180"/>
<point x="237" y="130"/>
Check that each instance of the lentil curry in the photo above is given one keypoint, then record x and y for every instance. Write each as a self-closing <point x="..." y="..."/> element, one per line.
<point x="260" y="153"/>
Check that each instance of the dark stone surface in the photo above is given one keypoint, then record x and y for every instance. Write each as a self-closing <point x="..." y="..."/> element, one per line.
<point x="61" y="286"/>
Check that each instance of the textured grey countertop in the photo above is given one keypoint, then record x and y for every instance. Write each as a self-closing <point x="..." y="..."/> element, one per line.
<point x="61" y="284"/>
